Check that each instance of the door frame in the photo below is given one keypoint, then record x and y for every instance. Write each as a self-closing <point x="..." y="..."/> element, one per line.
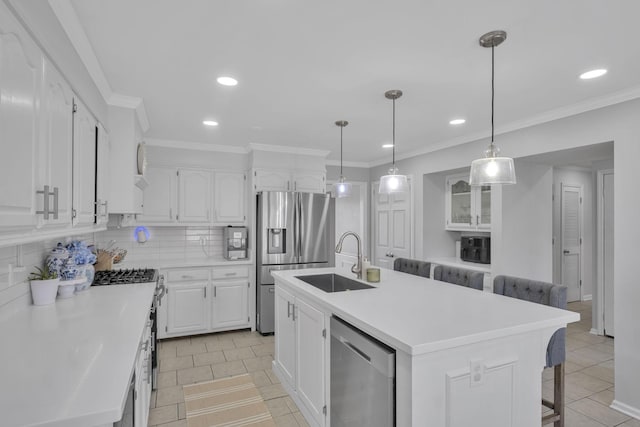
<point x="598" y="328"/>
<point x="580" y="230"/>
<point x="364" y="203"/>
<point x="372" y="213"/>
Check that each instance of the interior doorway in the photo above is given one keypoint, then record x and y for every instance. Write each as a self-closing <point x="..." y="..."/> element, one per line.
<point x="392" y="226"/>
<point x="571" y="232"/>
<point x="605" y="248"/>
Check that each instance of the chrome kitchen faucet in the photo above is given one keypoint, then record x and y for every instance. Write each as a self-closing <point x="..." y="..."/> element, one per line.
<point x="357" y="268"/>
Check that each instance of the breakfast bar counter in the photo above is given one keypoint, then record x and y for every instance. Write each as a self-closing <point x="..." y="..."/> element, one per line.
<point x="463" y="357"/>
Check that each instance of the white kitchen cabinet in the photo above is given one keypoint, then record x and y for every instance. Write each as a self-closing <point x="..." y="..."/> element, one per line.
<point x="310" y="358"/>
<point x="160" y="197"/>
<point x="143" y="372"/>
<point x="278" y="180"/>
<point x="300" y="351"/>
<point x="467" y="207"/>
<point x="20" y="76"/>
<point x="230" y="303"/>
<point x="55" y="148"/>
<point x="229" y="198"/>
<point x="102" y="175"/>
<point x="285" y="333"/>
<point x="194" y="195"/>
<point x="84" y="165"/>
<point x="188" y="307"/>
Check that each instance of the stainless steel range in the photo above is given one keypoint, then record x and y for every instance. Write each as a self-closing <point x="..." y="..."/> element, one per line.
<point x="134" y="276"/>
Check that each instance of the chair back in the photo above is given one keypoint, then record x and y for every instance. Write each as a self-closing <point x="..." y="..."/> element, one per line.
<point x="412" y="266"/>
<point x="459" y="276"/>
<point x="540" y="293"/>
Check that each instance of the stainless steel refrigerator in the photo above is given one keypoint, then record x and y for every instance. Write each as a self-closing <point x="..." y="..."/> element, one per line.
<point x="293" y="231"/>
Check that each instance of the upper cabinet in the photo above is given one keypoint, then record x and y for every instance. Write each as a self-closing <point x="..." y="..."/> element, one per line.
<point x="185" y="196"/>
<point x="467" y="207"/>
<point x="102" y="176"/>
<point x="56" y="148"/>
<point x="20" y="76"/>
<point x="278" y="180"/>
<point x="229" y="198"/>
<point x="84" y="165"/>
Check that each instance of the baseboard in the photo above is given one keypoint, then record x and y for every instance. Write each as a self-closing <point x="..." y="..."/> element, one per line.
<point x="625" y="409"/>
<point x="594" y="331"/>
<point x="587" y="297"/>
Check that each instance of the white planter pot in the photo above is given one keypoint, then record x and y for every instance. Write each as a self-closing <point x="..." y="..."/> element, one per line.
<point x="44" y="291"/>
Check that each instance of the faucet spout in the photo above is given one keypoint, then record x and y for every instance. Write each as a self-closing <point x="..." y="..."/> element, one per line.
<point x="357" y="268"/>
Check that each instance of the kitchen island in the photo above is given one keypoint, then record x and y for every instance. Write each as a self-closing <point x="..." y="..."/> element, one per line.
<point x="463" y="357"/>
<point x="69" y="364"/>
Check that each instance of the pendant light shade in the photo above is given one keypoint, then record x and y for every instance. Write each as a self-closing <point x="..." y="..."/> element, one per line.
<point x="393" y="182"/>
<point x="342" y="187"/>
<point x="492" y="169"/>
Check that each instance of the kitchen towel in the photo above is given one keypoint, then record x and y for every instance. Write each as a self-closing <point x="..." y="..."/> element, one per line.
<point x="228" y="402"/>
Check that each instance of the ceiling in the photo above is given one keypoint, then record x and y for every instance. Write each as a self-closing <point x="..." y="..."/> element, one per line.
<point x="303" y="65"/>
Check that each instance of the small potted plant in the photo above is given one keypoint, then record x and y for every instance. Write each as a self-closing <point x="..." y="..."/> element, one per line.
<point x="44" y="286"/>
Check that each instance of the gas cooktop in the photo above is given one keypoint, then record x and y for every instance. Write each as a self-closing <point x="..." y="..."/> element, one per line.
<point x="124" y="277"/>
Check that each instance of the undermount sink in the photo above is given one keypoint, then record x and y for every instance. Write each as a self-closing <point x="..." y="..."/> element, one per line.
<point x="333" y="282"/>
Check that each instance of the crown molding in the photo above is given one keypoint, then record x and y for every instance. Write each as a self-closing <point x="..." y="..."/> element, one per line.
<point x="290" y="150"/>
<point x="199" y="146"/>
<point x="548" y="116"/>
<point x="66" y="14"/>
<point x="348" y="164"/>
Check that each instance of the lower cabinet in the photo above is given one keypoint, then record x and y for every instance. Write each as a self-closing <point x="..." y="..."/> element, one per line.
<point x="204" y="300"/>
<point x="143" y="371"/>
<point x="300" y="351"/>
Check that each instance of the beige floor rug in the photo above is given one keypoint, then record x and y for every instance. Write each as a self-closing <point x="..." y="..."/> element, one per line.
<point x="228" y="402"/>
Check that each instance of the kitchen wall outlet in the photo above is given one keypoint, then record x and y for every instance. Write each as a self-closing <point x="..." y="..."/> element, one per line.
<point x="476" y="372"/>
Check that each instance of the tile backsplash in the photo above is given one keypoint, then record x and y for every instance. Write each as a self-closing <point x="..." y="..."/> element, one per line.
<point x="16" y="262"/>
<point x="186" y="245"/>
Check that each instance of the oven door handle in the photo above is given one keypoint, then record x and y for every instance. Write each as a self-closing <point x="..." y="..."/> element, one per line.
<point x="162" y="289"/>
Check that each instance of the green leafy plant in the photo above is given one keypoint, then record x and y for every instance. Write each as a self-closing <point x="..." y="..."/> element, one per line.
<point x="43" y="274"/>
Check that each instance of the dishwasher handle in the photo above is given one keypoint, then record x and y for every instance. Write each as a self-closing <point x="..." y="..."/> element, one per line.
<point x="355" y="349"/>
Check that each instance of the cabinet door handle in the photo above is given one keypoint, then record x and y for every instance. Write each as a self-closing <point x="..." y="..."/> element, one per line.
<point x="45" y="206"/>
<point x="477" y="219"/>
<point x="170" y="213"/>
<point x="205" y="291"/>
<point x="230" y="274"/>
<point x="187" y="276"/>
<point x="288" y="309"/>
<point x="293" y="312"/>
<point x="55" y="202"/>
<point x="215" y="291"/>
<point x="295" y="186"/>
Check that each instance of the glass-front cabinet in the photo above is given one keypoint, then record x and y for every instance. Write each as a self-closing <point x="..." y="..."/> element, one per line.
<point x="467" y="207"/>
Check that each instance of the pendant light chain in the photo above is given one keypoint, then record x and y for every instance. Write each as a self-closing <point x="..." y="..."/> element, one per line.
<point x="394" y="134"/>
<point x="493" y="47"/>
<point x="341" y="127"/>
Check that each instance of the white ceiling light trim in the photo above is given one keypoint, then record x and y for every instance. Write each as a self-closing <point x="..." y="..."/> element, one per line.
<point x="211" y="123"/>
<point x="457" y="121"/>
<point x="387" y="145"/>
<point x="227" y="81"/>
<point x="593" y="74"/>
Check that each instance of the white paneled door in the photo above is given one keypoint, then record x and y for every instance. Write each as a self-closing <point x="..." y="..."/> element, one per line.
<point x="572" y="240"/>
<point x="392" y="226"/>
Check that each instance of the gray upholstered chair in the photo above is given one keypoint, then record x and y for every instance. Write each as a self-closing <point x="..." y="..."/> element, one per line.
<point x="412" y="266"/>
<point x="554" y="296"/>
<point x="459" y="276"/>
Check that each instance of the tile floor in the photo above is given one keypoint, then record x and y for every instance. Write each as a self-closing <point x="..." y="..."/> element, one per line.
<point x="588" y="383"/>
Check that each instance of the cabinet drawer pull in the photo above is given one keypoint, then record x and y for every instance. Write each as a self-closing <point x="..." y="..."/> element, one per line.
<point x="231" y="274"/>
<point x="187" y="276"/>
<point x="215" y="291"/>
<point x="205" y="292"/>
<point x="288" y="309"/>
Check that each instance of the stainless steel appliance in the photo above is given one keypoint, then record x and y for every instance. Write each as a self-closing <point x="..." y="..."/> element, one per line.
<point x="293" y="231"/>
<point x="475" y="249"/>
<point x="362" y="378"/>
<point x="143" y="275"/>
<point x="235" y="243"/>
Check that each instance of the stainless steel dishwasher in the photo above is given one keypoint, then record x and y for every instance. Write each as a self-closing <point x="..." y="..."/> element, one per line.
<point x="362" y="378"/>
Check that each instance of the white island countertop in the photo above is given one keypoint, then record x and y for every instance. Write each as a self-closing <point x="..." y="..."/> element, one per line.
<point x="418" y="315"/>
<point x="70" y="363"/>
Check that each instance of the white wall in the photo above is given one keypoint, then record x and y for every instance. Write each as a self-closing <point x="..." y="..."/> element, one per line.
<point x="618" y="123"/>
<point x="584" y="178"/>
<point x="436" y="241"/>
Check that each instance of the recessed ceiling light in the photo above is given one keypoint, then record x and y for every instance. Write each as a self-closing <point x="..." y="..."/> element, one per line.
<point x="387" y="145"/>
<point x="593" y="74"/>
<point x="210" y="123"/>
<point x="227" y="81"/>
<point x="457" y="121"/>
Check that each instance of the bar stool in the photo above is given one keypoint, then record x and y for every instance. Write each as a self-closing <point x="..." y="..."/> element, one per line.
<point x="412" y="266"/>
<point x="459" y="276"/>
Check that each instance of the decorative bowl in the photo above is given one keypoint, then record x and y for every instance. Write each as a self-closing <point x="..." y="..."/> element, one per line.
<point x="66" y="289"/>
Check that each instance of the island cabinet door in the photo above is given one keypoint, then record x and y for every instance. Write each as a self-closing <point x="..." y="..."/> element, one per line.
<point x="285" y="344"/>
<point x="310" y="339"/>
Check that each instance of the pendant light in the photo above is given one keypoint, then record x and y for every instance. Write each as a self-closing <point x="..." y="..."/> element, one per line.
<point x="342" y="188"/>
<point x="493" y="169"/>
<point x="393" y="183"/>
